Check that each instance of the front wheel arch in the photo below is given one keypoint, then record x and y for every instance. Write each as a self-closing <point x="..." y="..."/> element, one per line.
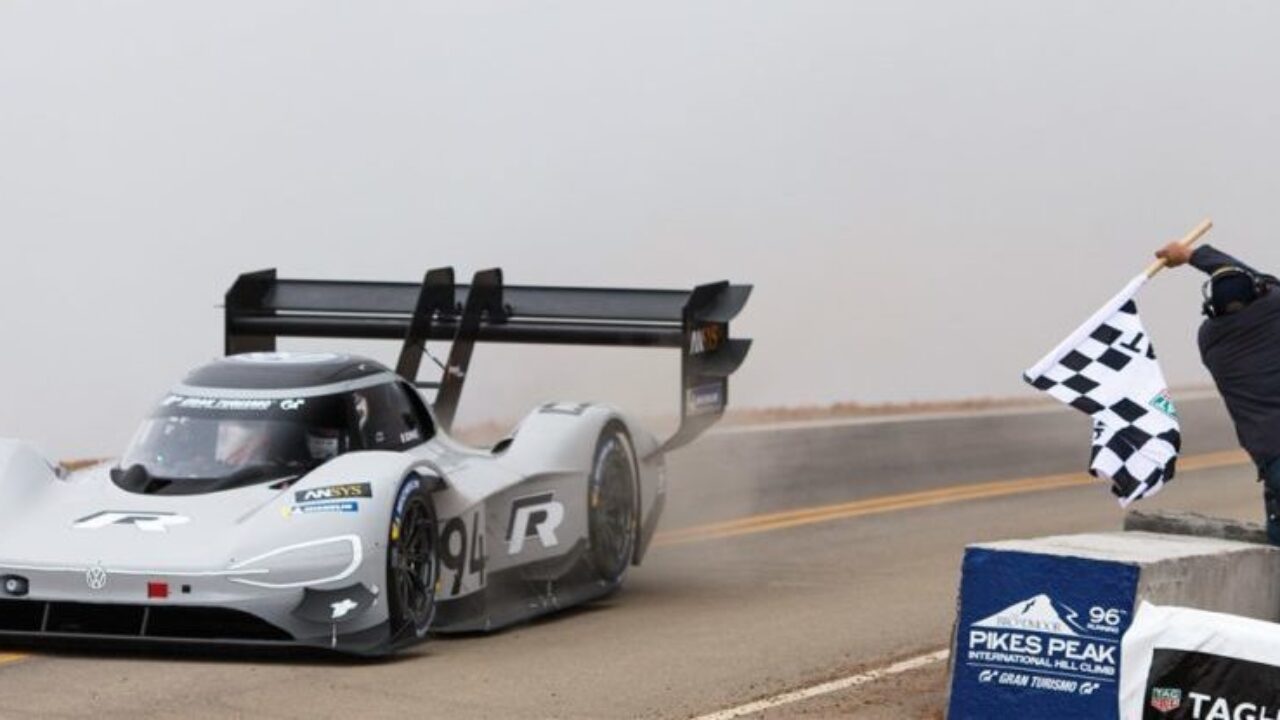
<point x="412" y="565"/>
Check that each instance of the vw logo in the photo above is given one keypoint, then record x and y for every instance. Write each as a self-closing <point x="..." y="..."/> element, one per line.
<point x="96" y="577"/>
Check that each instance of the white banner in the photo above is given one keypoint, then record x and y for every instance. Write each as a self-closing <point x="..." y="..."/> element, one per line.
<point x="1184" y="664"/>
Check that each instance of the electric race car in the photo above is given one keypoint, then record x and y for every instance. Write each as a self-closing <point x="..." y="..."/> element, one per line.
<point x="315" y="499"/>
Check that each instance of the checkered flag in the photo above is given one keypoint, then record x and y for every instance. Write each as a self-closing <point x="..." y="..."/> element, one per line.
<point x="1108" y="370"/>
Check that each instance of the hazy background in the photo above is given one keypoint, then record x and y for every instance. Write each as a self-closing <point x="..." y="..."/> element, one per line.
<point x="927" y="195"/>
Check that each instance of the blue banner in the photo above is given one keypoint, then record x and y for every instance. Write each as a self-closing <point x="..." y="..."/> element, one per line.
<point x="1039" y="636"/>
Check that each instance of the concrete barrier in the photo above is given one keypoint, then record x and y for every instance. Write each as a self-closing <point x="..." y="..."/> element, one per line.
<point x="1206" y="573"/>
<point x="1190" y="523"/>
<point x="1040" y="620"/>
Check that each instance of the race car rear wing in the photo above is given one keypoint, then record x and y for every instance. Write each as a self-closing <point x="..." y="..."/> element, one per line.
<point x="261" y="307"/>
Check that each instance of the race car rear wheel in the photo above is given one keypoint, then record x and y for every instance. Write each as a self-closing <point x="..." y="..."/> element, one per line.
<point x="411" y="561"/>
<point x="611" y="503"/>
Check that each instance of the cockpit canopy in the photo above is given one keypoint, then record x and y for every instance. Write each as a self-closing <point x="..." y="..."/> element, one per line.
<point x="204" y="438"/>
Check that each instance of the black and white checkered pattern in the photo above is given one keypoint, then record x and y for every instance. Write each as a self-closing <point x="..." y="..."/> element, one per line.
<point x="1108" y="370"/>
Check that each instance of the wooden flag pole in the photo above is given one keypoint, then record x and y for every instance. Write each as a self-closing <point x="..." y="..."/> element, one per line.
<point x="1191" y="239"/>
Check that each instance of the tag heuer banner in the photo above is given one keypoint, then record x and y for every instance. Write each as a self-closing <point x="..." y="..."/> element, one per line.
<point x="1183" y="664"/>
<point x="1107" y="369"/>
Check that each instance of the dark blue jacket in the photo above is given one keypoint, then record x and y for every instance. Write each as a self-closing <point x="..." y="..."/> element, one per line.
<point x="1242" y="352"/>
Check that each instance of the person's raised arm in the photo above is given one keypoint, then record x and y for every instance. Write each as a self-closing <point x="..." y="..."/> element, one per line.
<point x="1205" y="258"/>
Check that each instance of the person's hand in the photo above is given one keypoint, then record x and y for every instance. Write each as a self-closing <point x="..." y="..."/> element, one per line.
<point x="1174" y="254"/>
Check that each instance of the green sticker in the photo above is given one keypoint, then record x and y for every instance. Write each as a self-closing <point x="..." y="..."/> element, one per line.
<point x="1164" y="404"/>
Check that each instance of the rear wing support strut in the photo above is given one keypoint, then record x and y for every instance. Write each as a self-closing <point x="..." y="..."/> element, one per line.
<point x="484" y="304"/>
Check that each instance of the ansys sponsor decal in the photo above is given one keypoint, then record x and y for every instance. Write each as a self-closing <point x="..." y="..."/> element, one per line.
<point x="334" y="492"/>
<point x="331" y="499"/>
<point x="1044" y="645"/>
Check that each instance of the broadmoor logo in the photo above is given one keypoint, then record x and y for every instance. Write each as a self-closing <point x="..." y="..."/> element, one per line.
<point x="1037" y="615"/>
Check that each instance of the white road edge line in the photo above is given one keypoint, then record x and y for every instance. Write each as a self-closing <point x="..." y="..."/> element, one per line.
<point x="828" y="687"/>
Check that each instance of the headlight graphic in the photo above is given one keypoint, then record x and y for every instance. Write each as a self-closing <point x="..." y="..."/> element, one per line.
<point x="311" y="563"/>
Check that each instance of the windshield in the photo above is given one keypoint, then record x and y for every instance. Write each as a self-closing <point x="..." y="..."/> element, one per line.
<point x="195" y="444"/>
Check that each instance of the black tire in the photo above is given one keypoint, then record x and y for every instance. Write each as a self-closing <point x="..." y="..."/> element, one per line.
<point x="612" y="489"/>
<point x="411" y="561"/>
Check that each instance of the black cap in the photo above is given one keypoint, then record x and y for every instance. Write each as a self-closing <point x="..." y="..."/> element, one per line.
<point x="1232" y="290"/>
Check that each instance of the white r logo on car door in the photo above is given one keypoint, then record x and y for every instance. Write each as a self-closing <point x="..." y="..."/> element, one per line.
<point x="534" y="516"/>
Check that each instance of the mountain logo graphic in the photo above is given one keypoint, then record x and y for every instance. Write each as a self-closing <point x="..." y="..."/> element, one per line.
<point x="1039" y="614"/>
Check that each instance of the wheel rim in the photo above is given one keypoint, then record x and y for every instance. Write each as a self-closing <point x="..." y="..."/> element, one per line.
<point x="612" y="508"/>
<point x="413" y="564"/>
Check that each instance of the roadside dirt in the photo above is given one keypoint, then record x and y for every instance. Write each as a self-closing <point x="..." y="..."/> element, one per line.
<point x="915" y="695"/>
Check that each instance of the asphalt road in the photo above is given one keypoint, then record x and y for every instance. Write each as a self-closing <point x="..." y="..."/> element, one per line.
<point x="719" y="614"/>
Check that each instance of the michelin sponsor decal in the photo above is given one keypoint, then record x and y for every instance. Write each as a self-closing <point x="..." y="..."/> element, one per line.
<point x="1039" y="636"/>
<point x="322" y="507"/>
<point x="1184" y="664"/>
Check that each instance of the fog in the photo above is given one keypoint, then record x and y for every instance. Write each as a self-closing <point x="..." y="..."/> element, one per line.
<point x="927" y="196"/>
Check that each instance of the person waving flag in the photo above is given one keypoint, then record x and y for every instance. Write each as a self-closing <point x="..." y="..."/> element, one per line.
<point x="1108" y="370"/>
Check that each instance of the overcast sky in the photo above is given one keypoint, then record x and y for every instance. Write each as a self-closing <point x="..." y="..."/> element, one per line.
<point x="926" y="195"/>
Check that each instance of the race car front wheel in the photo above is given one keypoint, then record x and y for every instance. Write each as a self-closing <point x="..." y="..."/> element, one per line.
<point x="611" y="503"/>
<point x="411" y="561"/>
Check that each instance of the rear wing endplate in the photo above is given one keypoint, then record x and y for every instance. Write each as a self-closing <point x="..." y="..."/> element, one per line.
<point x="260" y="307"/>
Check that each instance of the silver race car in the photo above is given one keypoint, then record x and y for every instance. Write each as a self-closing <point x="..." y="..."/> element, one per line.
<point x="317" y="500"/>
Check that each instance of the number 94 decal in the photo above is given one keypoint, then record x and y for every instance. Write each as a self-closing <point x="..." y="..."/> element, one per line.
<point x="462" y="556"/>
